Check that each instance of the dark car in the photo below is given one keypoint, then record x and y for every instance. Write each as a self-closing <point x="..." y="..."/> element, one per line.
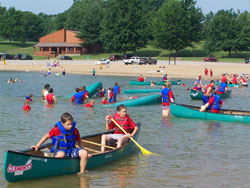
<point x="17" y="56"/>
<point x="150" y="61"/>
<point x="210" y="59"/>
<point x="115" y="57"/>
<point x="247" y="60"/>
<point x="65" y="57"/>
<point x="7" y="56"/>
<point x="143" y="61"/>
<point x="26" y="57"/>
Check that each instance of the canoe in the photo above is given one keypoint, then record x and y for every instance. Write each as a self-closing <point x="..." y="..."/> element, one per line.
<point x="197" y="95"/>
<point x="228" y="85"/>
<point x="132" y="91"/>
<point x="30" y="164"/>
<point x="92" y="89"/>
<point x="186" y="111"/>
<point x="134" y="82"/>
<point x="147" y="100"/>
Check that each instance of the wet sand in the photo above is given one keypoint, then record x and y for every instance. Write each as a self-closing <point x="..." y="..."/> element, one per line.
<point x="182" y="69"/>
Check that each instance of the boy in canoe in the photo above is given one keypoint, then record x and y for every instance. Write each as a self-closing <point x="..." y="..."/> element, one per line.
<point x="64" y="137"/>
<point x="214" y="103"/>
<point x="167" y="98"/>
<point x="123" y="119"/>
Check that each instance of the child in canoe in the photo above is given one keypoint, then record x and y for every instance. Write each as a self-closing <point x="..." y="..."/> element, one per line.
<point x="64" y="137"/>
<point x="123" y="119"/>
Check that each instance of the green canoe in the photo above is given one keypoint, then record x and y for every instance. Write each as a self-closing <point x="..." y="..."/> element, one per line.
<point x="132" y="91"/>
<point x="29" y="164"/>
<point x="134" y="82"/>
<point x="197" y="95"/>
<point x="228" y="85"/>
<point x="186" y="111"/>
<point x="92" y="89"/>
<point x="147" y="100"/>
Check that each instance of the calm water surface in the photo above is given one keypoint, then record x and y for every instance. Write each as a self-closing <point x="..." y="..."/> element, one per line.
<point x="193" y="153"/>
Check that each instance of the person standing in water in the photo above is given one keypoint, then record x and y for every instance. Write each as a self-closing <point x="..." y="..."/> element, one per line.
<point x="167" y="98"/>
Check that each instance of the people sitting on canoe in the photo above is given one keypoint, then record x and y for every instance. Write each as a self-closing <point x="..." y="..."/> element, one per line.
<point x="45" y="91"/>
<point x="111" y="95"/>
<point x="243" y="82"/>
<point x="141" y="78"/>
<point x="123" y="119"/>
<point x="222" y="88"/>
<point x="51" y="98"/>
<point x="165" y="78"/>
<point x="167" y="98"/>
<point x="26" y="106"/>
<point x="198" y="81"/>
<point x="224" y="78"/>
<point x="64" y="137"/>
<point x="77" y="97"/>
<point x="104" y="100"/>
<point x="152" y="83"/>
<point x="85" y="93"/>
<point x="90" y="104"/>
<point x="214" y="102"/>
<point x="197" y="87"/>
<point x="29" y="98"/>
<point x="234" y="79"/>
<point x="208" y="90"/>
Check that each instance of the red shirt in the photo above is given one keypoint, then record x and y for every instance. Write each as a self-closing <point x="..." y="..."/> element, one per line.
<point x="141" y="79"/>
<point x="88" y="105"/>
<point x="132" y="124"/>
<point x="235" y="80"/>
<point x="211" y="73"/>
<point x="56" y="132"/>
<point x="170" y="96"/>
<point x="206" y="72"/>
<point x="111" y="94"/>
<point x="223" y="79"/>
<point x="208" y="86"/>
<point x="211" y="101"/>
<point x="26" y="107"/>
<point x="105" y="102"/>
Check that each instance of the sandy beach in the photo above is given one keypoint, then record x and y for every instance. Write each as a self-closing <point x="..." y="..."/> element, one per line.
<point x="182" y="69"/>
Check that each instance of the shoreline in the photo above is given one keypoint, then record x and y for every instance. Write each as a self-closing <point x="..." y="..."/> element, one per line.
<point x="182" y="69"/>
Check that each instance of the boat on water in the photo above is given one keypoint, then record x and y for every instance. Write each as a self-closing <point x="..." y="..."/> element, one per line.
<point x="197" y="95"/>
<point x="187" y="111"/>
<point x="92" y="89"/>
<point x="134" y="82"/>
<point x="133" y="91"/>
<point x="30" y="164"/>
<point x="141" y="101"/>
<point x="228" y="85"/>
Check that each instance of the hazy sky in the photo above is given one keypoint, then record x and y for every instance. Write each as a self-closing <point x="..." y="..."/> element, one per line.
<point x="57" y="6"/>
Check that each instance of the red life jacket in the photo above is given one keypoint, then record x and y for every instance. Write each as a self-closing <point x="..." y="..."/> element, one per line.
<point x="123" y="122"/>
<point x="26" y="107"/>
<point x="49" y="98"/>
<point x="104" y="102"/>
<point x="235" y="80"/>
<point x="208" y="86"/>
<point x="141" y="79"/>
<point x="243" y="80"/>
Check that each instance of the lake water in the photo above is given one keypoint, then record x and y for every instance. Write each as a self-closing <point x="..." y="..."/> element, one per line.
<point x="193" y="153"/>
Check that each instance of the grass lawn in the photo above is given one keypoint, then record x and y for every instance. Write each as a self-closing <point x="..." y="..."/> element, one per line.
<point x="195" y="53"/>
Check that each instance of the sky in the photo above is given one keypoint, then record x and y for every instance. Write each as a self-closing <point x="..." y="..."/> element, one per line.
<point x="58" y="6"/>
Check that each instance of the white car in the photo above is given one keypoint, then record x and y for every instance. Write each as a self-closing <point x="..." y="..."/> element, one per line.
<point x="102" y="62"/>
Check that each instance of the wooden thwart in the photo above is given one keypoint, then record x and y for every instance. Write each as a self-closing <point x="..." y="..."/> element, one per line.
<point x="93" y="150"/>
<point x="94" y="143"/>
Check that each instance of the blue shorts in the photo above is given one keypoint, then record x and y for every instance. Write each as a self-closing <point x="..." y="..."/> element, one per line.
<point x="73" y="153"/>
<point x="165" y="107"/>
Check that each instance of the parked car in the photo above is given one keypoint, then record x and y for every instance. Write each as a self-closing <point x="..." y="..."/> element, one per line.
<point x="26" y="57"/>
<point x="102" y="62"/>
<point x="247" y="60"/>
<point x="143" y="61"/>
<point x="17" y="56"/>
<point x="7" y="56"/>
<point x="115" y="57"/>
<point x="210" y="59"/>
<point x="132" y="60"/>
<point x="65" y="57"/>
<point x="150" y="61"/>
<point x="127" y="56"/>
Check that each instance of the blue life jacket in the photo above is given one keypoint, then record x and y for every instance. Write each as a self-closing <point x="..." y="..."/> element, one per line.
<point x="28" y="97"/>
<point x="78" y="98"/>
<point x="113" y="98"/>
<point x="216" y="104"/>
<point x="116" y="89"/>
<point x="222" y="87"/>
<point x="165" y="97"/>
<point x="197" y="81"/>
<point x="66" y="141"/>
<point x="164" y="78"/>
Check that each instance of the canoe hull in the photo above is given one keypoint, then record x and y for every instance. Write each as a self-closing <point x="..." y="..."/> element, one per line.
<point x="134" y="82"/>
<point x="19" y="166"/>
<point x="197" y="95"/>
<point x="229" y="85"/>
<point x="142" y="101"/>
<point x="133" y="91"/>
<point x="180" y="110"/>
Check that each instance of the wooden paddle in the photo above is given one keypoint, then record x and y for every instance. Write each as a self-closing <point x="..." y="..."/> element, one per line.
<point x="143" y="150"/>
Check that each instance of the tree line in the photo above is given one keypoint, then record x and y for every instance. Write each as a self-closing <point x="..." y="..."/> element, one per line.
<point x="128" y="25"/>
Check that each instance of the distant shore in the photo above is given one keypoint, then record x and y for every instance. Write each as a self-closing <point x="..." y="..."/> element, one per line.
<point x="182" y="69"/>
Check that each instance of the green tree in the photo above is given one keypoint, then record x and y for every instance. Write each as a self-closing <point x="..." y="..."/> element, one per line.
<point x="221" y="33"/>
<point x="123" y="26"/>
<point x="12" y="25"/>
<point x="47" y="23"/>
<point x="177" y="25"/>
<point x="90" y="27"/>
<point x="33" y="26"/>
<point x="59" y="21"/>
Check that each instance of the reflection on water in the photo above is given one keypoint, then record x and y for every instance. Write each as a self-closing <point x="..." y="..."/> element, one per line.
<point x="193" y="153"/>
